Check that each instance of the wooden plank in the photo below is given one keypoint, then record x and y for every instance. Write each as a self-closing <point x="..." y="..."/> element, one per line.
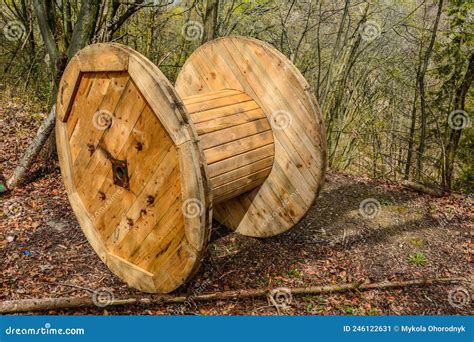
<point x="194" y="205"/>
<point x="97" y="91"/>
<point x="234" y="148"/>
<point x="217" y="103"/>
<point x="67" y="89"/>
<point x="276" y="102"/>
<point x="92" y="129"/>
<point x="135" y="276"/>
<point x="80" y="211"/>
<point x="172" y="272"/>
<point x="243" y="159"/>
<point x="229" y="121"/>
<point x="210" y="96"/>
<point x="164" y="187"/>
<point x="212" y="114"/>
<point x="79" y="100"/>
<point x="234" y="133"/>
<point x="240" y="171"/>
<point x="162" y="106"/>
<point x="240" y="182"/>
<point x="140" y="168"/>
<point x="218" y="198"/>
<point x="127" y="112"/>
<point x="170" y="229"/>
<point x="101" y="58"/>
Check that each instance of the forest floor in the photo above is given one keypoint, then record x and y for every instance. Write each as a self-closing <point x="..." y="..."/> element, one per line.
<point x="44" y="253"/>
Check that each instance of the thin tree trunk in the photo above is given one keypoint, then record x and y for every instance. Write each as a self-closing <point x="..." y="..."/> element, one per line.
<point x="85" y="26"/>
<point x="411" y="137"/>
<point x="210" y="21"/>
<point x="421" y="84"/>
<point x="455" y="135"/>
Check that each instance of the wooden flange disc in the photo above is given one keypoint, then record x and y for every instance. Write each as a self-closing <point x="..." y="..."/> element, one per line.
<point x="132" y="168"/>
<point x="267" y="76"/>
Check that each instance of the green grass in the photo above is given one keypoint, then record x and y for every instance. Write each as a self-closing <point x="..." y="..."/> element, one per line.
<point x="278" y="282"/>
<point x="417" y="242"/>
<point x="372" y="312"/>
<point x="294" y="273"/>
<point x="348" y="309"/>
<point x="386" y="201"/>
<point x="418" y="259"/>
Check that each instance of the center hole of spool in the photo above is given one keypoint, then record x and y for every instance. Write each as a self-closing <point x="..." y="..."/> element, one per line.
<point x="120" y="173"/>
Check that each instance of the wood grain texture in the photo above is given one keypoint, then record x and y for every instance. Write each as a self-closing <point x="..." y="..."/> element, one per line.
<point x="231" y="130"/>
<point x="140" y="230"/>
<point x="299" y="141"/>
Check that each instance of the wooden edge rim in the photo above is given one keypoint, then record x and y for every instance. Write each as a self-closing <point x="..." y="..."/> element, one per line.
<point x="194" y="187"/>
<point x="266" y="75"/>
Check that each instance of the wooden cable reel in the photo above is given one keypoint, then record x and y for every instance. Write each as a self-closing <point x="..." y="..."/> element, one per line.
<point x="145" y="165"/>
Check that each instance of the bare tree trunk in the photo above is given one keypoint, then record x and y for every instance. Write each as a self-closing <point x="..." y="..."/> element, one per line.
<point x="210" y="21"/>
<point x="421" y="84"/>
<point x="411" y="137"/>
<point x="455" y="134"/>
<point x="84" y="28"/>
<point x="67" y="22"/>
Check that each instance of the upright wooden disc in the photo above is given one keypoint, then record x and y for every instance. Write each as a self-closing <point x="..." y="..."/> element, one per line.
<point x="271" y="80"/>
<point x="132" y="167"/>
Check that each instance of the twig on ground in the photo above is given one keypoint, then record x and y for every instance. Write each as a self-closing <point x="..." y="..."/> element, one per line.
<point x="45" y="304"/>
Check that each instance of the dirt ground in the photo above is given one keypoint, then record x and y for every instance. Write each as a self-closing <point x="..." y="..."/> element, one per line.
<point x="407" y="236"/>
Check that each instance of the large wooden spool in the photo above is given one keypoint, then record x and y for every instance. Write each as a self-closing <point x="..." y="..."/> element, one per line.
<point x="145" y="165"/>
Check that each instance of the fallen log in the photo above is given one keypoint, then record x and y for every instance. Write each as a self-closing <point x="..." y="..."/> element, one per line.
<point x="33" y="149"/>
<point x="423" y="188"/>
<point x="45" y="304"/>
